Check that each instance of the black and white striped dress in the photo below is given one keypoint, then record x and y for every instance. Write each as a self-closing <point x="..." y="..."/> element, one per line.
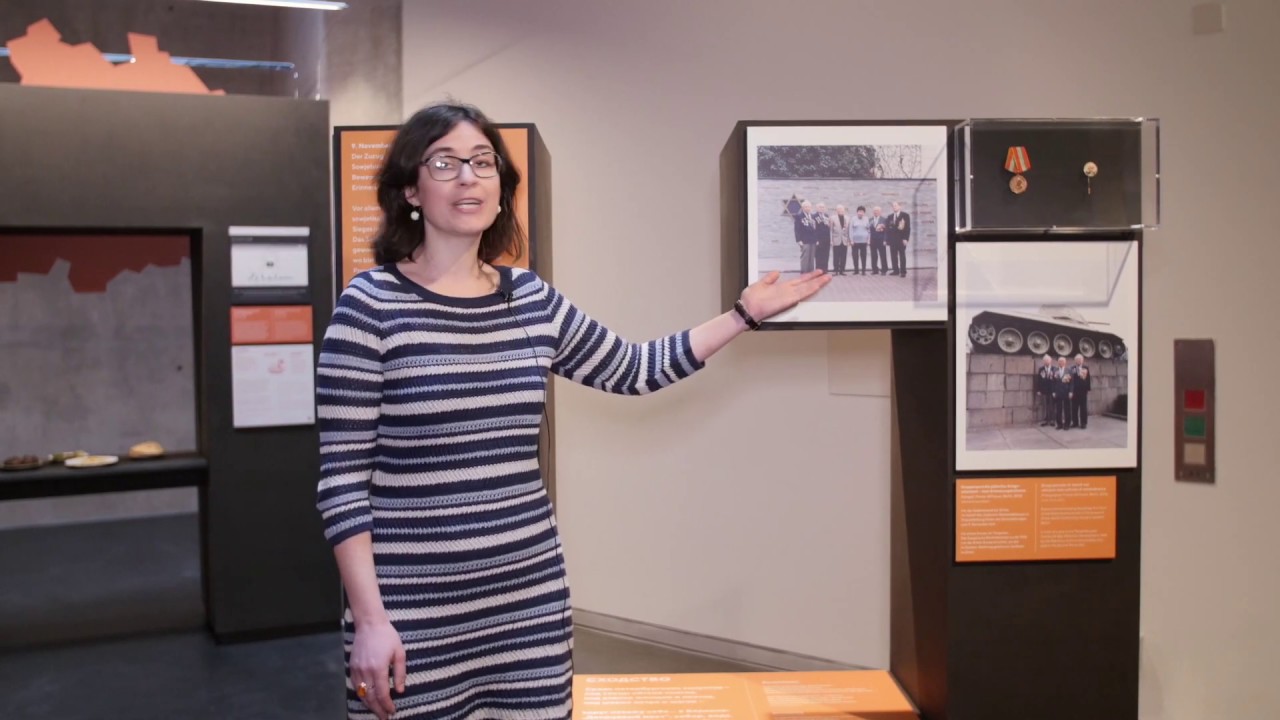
<point x="429" y="412"/>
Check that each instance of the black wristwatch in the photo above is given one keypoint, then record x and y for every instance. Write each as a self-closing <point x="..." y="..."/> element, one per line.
<point x="741" y="309"/>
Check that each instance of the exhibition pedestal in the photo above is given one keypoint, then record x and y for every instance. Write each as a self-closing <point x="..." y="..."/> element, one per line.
<point x="997" y="640"/>
<point x="180" y="165"/>
<point x="1022" y="600"/>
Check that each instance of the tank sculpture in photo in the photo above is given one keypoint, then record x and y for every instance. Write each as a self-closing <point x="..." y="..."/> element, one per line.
<point x="1056" y="330"/>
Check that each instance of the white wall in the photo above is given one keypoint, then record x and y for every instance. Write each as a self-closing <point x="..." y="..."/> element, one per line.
<point x="746" y="503"/>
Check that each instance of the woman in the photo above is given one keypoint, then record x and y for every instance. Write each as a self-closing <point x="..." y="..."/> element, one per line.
<point x="859" y="237"/>
<point x="431" y="384"/>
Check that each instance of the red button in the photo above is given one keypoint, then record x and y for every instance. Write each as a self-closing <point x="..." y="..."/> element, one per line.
<point x="1193" y="399"/>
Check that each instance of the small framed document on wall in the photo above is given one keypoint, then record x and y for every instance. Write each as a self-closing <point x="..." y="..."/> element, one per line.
<point x="273" y="385"/>
<point x="269" y="265"/>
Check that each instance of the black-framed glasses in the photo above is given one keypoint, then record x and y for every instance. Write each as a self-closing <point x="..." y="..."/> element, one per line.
<point x="447" y="167"/>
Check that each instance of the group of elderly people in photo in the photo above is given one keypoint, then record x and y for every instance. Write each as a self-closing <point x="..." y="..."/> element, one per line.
<point x="1063" y="393"/>
<point x="825" y="237"/>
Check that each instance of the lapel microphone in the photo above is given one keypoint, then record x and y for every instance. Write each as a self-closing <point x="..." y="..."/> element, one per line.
<point x="504" y="285"/>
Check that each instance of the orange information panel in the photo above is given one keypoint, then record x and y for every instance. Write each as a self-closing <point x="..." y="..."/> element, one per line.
<point x="360" y="153"/>
<point x="1020" y="519"/>
<point x="856" y="695"/>
<point x="271" y="325"/>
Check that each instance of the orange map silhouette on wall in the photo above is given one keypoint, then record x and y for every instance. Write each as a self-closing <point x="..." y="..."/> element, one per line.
<point x="41" y="58"/>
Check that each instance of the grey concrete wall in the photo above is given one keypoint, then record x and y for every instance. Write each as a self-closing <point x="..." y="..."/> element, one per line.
<point x="1001" y="388"/>
<point x="919" y="199"/>
<point x="97" y="371"/>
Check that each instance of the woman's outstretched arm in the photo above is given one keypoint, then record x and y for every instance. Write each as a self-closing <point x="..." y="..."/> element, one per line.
<point x="591" y="354"/>
<point x="763" y="300"/>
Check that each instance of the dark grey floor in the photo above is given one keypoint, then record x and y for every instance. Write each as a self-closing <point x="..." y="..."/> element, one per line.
<point x="104" y="621"/>
<point x="99" y="580"/>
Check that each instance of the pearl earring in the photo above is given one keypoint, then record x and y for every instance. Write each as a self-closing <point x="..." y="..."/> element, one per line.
<point x="499" y="208"/>
<point x="415" y="215"/>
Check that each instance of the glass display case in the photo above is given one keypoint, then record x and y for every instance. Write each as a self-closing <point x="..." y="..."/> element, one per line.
<point x="1057" y="176"/>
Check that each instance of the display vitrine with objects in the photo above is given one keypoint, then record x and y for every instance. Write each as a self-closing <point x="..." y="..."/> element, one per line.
<point x="1057" y="176"/>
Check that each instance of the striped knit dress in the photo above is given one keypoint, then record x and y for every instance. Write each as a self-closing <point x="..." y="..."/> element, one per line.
<point x="429" y="411"/>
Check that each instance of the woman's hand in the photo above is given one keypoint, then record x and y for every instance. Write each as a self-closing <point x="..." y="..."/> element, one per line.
<point x="374" y="651"/>
<point x="768" y="297"/>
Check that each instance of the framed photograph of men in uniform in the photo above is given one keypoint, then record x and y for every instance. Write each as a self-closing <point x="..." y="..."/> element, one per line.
<point x="1046" y="356"/>
<point x="867" y="203"/>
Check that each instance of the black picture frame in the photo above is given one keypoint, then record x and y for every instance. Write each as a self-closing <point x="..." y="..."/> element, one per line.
<point x="957" y="337"/>
<point x="735" y="244"/>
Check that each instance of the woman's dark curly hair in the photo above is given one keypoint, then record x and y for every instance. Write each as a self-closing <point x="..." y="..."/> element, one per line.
<point x="400" y="235"/>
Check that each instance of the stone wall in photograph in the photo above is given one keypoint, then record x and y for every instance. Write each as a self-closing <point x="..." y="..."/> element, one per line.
<point x="919" y="199"/>
<point x="1000" y="389"/>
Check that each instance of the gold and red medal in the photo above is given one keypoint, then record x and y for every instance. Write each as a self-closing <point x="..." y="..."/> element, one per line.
<point x="1017" y="162"/>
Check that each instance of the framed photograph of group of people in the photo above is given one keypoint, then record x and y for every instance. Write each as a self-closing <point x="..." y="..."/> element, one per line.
<point x="865" y="203"/>
<point x="1046" y="343"/>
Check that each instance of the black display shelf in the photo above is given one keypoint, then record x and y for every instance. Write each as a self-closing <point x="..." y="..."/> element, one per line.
<point x="56" y="480"/>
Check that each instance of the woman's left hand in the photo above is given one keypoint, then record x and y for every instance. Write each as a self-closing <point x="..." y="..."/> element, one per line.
<point x="768" y="297"/>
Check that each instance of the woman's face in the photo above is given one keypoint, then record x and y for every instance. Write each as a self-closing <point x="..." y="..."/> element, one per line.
<point x="464" y="205"/>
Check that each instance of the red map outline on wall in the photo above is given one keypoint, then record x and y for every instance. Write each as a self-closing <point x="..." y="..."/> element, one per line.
<point x="41" y="58"/>
<point x="95" y="259"/>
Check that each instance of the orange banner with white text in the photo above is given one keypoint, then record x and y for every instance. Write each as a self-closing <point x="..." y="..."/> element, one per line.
<point x="360" y="156"/>
<point x="1027" y="519"/>
<point x="271" y="325"/>
<point x="854" y="695"/>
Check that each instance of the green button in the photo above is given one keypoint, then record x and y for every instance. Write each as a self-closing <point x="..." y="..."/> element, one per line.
<point x="1193" y="426"/>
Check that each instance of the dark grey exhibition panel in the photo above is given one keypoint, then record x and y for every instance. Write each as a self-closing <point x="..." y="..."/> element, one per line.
<point x="94" y="161"/>
<point x="997" y="641"/>
<point x="920" y="518"/>
<point x="1010" y="640"/>
<point x="1051" y="640"/>
<point x="733" y="216"/>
